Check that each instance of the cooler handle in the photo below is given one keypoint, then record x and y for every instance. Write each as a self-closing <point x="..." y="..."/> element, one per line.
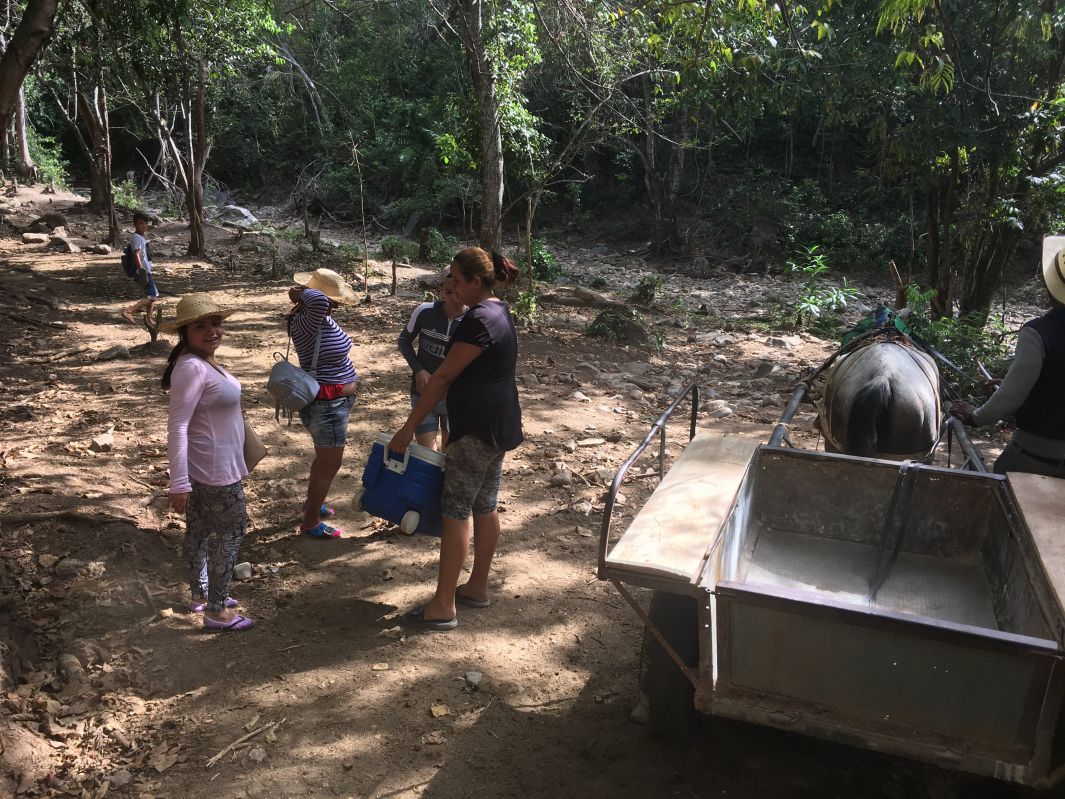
<point x="393" y="463"/>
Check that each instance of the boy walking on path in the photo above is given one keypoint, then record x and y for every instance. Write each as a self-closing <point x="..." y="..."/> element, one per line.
<point x="138" y="245"/>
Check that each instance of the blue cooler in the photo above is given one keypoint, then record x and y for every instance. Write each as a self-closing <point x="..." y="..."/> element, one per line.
<point x="404" y="490"/>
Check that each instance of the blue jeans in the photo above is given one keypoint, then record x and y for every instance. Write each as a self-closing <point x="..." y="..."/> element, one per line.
<point x="327" y="421"/>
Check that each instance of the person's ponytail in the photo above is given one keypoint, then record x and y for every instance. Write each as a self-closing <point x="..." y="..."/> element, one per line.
<point x="171" y="359"/>
<point x="504" y="268"/>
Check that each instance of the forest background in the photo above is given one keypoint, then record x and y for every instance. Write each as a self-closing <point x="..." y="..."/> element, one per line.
<point x="927" y="132"/>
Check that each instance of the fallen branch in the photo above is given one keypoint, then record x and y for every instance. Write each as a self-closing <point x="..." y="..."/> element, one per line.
<point x="58" y="356"/>
<point x="31" y="321"/>
<point x="70" y="515"/>
<point x="273" y="725"/>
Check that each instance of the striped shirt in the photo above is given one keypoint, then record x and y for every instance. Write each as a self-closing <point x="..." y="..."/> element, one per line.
<point x="334" y="365"/>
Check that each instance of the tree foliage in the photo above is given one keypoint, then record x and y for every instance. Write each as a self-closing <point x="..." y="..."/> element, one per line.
<point x="924" y="131"/>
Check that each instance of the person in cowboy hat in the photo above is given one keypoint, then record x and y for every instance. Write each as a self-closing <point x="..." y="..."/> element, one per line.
<point x="1034" y="386"/>
<point x="205" y="442"/>
<point x="315" y="297"/>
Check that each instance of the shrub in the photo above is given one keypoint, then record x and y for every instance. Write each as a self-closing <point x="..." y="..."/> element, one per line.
<point x="814" y="296"/>
<point x="960" y="340"/>
<point x="126" y="194"/>
<point x="47" y="154"/>
<point x="440" y="249"/>
<point x="545" y="264"/>
<point x="399" y="248"/>
<point x="525" y="307"/>
<point x="623" y="325"/>
<point x="647" y="290"/>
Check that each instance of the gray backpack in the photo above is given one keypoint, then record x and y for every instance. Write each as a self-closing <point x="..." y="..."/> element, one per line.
<point x="292" y="388"/>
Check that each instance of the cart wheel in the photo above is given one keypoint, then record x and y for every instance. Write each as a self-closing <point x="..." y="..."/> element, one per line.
<point x="409" y="523"/>
<point x="670" y="696"/>
<point x="356" y="499"/>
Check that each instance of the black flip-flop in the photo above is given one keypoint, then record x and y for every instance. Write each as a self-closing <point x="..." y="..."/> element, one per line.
<point x="416" y="618"/>
<point x="470" y="602"/>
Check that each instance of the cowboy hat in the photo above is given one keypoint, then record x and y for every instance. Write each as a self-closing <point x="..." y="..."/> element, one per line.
<point x="193" y="307"/>
<point x="1054" y="266"/>
<point x="326" y="281"/>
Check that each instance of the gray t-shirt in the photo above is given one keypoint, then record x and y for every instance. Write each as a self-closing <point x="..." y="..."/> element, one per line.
<point x="138" y="242"/>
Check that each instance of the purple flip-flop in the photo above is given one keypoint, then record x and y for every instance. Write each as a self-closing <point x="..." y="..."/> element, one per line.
<point x="238" y="622"/>
<point x="200" y="607"/>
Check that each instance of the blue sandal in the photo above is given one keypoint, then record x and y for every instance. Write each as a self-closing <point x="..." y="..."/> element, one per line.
<point x="323" y="513"/>
<point x="322" y="530"/>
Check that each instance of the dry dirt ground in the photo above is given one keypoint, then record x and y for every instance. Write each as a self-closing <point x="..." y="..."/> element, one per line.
<point x="89" y="565"/>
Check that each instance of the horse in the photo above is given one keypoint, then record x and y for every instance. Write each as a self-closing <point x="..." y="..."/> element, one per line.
<point x="882" y="400"/>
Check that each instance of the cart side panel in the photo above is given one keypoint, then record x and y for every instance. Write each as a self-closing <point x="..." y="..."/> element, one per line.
<point x="882" y="674"/>
<point x="946" y="516"/>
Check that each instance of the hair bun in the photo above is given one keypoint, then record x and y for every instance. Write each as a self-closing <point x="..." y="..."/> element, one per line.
<point x="504" y="267"/>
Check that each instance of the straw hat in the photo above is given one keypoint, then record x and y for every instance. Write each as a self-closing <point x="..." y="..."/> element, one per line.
<point x="192" y="307"/>
<point x="1054" y="266"/>
<point x="326" y="281"/>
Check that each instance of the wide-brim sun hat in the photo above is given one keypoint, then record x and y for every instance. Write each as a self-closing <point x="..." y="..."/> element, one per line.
<point x="328" y="282"/>
<point x="193" y="307"/>
<point x="1054" y="266"/>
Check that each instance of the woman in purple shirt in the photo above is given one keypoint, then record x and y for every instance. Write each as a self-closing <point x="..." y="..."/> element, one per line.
<point x="478" y="379"/>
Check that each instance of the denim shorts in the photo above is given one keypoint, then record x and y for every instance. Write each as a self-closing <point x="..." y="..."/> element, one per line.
<point x="145" y="280"/>
<point x="471" y="478"/>
<point x="328" y="421"/>
<point x="435" y="420"/>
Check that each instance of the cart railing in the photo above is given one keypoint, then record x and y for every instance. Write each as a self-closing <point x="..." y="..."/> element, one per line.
<point x="659" y="428"/>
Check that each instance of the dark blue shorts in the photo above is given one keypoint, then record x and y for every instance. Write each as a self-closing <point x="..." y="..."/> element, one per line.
<point x="147" y="283"/>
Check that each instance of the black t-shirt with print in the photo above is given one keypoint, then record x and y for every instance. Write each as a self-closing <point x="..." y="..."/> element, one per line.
<point x="483" y="399"/>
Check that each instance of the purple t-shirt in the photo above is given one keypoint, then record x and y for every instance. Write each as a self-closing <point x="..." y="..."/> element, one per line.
<point x="483" y="399"/>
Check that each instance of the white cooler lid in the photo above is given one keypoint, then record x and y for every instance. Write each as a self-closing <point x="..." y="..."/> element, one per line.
<point x="415" y="450"/>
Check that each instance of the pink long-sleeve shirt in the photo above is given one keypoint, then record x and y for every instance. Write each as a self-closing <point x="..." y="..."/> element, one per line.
<point x="205" y="432"/>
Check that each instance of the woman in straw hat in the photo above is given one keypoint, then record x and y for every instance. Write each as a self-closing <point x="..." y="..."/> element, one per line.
<point x="1034" y="387"/>
<point x="205" y="441"/>
<point x="317" y="295"/>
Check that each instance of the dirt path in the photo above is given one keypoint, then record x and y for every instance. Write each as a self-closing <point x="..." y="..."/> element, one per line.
<point x="530" y="697"/>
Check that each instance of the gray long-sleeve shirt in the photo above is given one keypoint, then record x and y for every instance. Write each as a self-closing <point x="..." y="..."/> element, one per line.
<point x="1016" y="385"/>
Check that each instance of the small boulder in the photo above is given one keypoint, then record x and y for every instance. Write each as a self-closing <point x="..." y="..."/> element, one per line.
<point x="36" y="238"/>
<point x="63" y="244"/>
<point x="69" y="665"/>
<point x="113" y="353"/>
<point x="563" y="477"/>
<point x="105" y="442"/>
<point x="68" y="568"/>
<point x="100" y="249"/>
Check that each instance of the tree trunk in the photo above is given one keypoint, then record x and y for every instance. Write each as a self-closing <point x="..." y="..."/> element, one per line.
<point x="29" y="37"/>
<point x="663" y="158"/>
<point x="94" y="117"/>
<point x="199" y="150"/>
<point x="491" y="136"/>
<point x="983" y="273"/>
<point x="25" y="167"/>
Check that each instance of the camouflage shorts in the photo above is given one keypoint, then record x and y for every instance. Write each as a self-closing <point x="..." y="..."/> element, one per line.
<point x="471" y="478"/>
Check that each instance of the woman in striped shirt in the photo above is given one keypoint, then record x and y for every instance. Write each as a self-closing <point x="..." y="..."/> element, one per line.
<point x="318" y="294"/>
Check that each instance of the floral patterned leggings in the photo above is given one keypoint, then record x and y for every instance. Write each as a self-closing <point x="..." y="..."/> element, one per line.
<point x="218" y="513"/>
